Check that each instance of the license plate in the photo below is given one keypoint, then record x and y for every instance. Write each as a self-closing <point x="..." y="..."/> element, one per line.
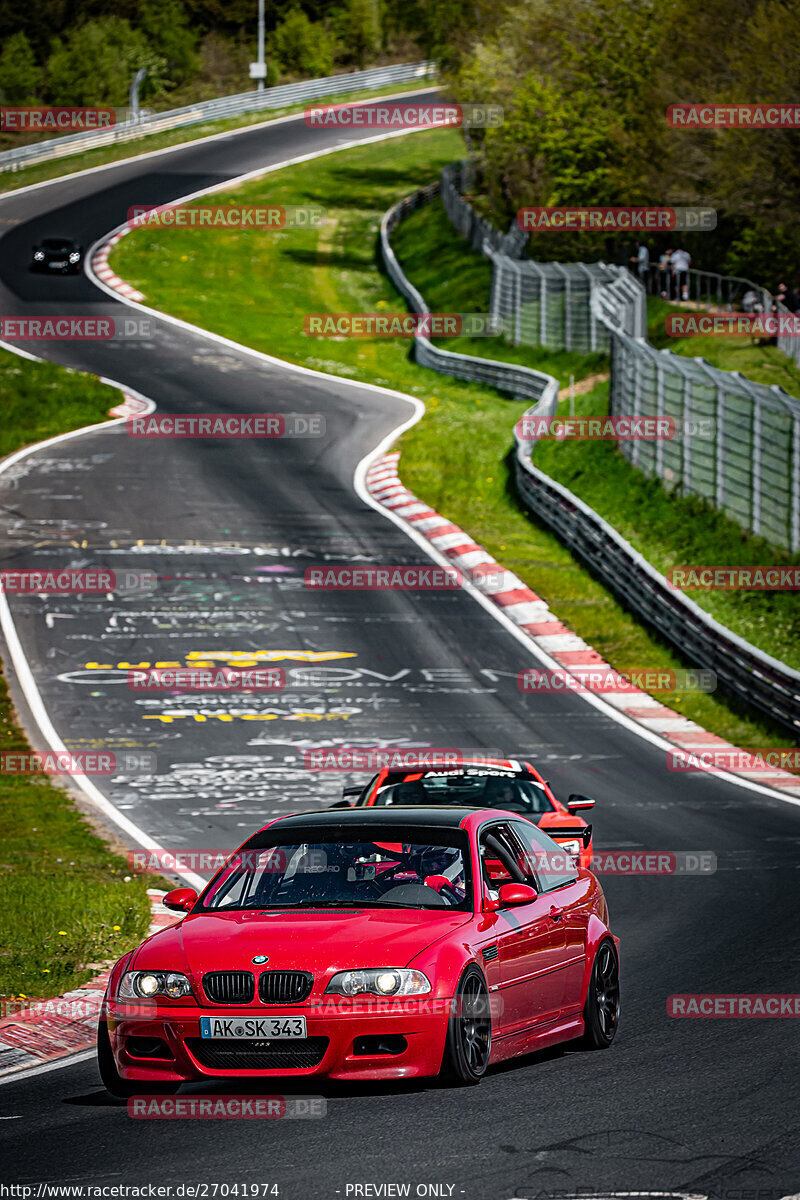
<point x="253" y="1027"/>
<point x="57" y="264"/>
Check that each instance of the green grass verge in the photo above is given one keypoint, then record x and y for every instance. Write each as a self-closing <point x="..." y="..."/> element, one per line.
<point x="10" y="181"/>
<point x="256" y="287"/>
<point x="65" y="900"/>
<point x="41" y="400"/>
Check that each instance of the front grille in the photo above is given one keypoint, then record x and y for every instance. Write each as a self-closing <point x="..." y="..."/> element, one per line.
<point x="223" y="1054"/>
<point x="230" y="987"/>
<point x="284" y="987"/>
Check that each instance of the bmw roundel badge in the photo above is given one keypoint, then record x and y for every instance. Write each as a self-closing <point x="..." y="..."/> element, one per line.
<point x="260" y="958"/>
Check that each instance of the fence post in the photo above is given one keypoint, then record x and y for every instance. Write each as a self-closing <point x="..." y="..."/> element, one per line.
<point x="518" y="303"/>
<point x="660" y="414"/>
<point x="686" y="465"/>
<point x="794" y="530"/>
<point x="755" y="475"/>
<point x="542" y="309"/>
<point x="637" y="404"/>
<point x="720" y="448"/>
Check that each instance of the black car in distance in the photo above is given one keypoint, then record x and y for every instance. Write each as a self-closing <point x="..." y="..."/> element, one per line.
<point x="57" y="255"/>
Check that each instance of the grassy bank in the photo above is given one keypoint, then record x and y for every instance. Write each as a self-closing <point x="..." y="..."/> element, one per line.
<point x="256" y="287"/>
<point x="41" y="400"/>
<point x="66" y="902"/>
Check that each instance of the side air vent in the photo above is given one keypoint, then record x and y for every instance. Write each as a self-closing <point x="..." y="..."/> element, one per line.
<point x="490" y="953"/>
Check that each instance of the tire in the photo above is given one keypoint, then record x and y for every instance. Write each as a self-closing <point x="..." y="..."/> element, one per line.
<point x="113" y="1082"/>
<point x="469" y="1032"/>
<point x="601" y="1010"/>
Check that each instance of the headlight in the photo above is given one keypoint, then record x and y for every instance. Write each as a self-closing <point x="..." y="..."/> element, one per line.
<point x="145" y="985"/>
<point x="74" y="256"/>
<point x="380" y="981"/>
<point x="39" y="255"/>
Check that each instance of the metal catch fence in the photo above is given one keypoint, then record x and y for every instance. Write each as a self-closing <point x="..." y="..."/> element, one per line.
<point x="739" y="442"/>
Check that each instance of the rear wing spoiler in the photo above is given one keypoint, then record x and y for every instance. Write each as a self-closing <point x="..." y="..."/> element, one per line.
<point x="581" y="833"/>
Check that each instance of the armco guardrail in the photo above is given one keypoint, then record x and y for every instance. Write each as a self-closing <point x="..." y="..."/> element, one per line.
<point x="747" y="673"/>
<point x="522" y="382"/>
<point x="215" y="110"/>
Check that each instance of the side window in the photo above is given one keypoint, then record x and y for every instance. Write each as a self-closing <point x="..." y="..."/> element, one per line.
<point x="501" y="858"/>
<point x="548" y="861"/>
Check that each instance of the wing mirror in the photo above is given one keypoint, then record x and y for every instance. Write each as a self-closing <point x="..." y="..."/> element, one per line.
<point x="577" y="802"/>
<point x="512" y="894"/>
<point x="180" y="899"/>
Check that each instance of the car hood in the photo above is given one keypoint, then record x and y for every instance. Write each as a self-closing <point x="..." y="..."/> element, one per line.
<point x="315" y="941"/>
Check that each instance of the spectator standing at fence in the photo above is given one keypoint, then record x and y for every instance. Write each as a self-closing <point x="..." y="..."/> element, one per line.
<point x="751" y="302"/>
<point x="792" y="300"/>
<point x="642" y="260"/>
<point x="680" y="261"/>
<point x="663" y="274"/>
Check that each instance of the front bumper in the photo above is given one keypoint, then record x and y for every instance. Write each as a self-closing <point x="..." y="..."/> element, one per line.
<point x="46" y="269"/>
<point x="330" y="1051"/>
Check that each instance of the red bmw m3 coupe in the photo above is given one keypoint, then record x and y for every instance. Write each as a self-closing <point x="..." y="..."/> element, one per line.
<point x="365" y="944"/>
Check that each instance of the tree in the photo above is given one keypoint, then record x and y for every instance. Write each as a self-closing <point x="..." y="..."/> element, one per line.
<point x="358" y="29"/>
<point x="302" y="46"/>
<point x="165" y="25"/>
<point x="19" y="75"/>
<point x="97" y="61"/>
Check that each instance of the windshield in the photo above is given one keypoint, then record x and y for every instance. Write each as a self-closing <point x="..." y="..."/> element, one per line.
<point x="478" y="790"/>
<point x="57" y="244"/>
<point x="328" y="871"/>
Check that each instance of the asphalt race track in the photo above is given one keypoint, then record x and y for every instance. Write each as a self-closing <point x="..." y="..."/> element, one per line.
<point x="708" y="1107"/>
